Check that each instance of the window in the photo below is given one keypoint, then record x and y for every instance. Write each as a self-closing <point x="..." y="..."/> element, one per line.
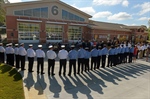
<point x="54" y="32"/>
<point x="20" y="12"/>
<point x="69" y="16"/>
<point x="28" y="12"/>
<point x="36" y="12"/>
<point x="64" y="14"/>
<point x="74" y="33"/>
<point x="28" y="31"/>
<point x="44" y="12"/>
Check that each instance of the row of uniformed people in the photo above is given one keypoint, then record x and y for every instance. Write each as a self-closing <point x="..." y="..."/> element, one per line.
<point x="115" y="56"/>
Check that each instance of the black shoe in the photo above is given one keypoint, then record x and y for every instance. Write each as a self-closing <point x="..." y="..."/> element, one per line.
<point x="59" y="74"/>
<point x="53" y="74"/>
<point x="23" y="69"/>
<point x="42" y="73"/>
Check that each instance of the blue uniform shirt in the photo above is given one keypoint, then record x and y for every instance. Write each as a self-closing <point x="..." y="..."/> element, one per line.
<point x="131" y="49"/>
<point x="99" y="52"/>
<point x="94" y="52"/>
<point x="111" y="51"/>
<point x="122" y="50"/>
<point x="81" y="53"/>
<point x="127" y="49"/>
<point x="119" y="50"/>
<point x="104" y="51"/>
<point x="87" y="55"/>
<point x="116" y="51"/>
<point x="73" y="54"/>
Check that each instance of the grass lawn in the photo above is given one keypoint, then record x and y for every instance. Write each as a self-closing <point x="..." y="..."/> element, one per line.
<point x="11" y="86"/>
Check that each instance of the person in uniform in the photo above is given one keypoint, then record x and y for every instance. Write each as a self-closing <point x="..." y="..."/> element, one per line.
<point x="110" y="56"/>
<point x="10" y="55"/>
<point x="62" y="55"/>
<point x="17" y="55"/>
<point x="51" y="55"/>
<point x="7" y="56"/>
<point x="2" y="53"/>
<point x="40" y="54"/>
<point x="99" y="57"/>
<point x="22" y="55"/>
<point x="131" y="51"/>
<point x="119" y="54"/>
<point x="73" y="54"/>
<point x="126" y="53"/>
<point x="115" y="59"/>
<point x="122" y="54"/>
<point x="30" y="54"/>
<point x="81" y="56"/>
<point x="104" y="53"/>
<point x="94" y="56"/>
<point x="86" y="60"/>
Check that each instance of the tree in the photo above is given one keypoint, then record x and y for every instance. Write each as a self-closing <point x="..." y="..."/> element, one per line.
<point x="2" y="11"/>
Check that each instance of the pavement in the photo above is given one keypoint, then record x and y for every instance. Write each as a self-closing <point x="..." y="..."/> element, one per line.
<point x="125" y="81"/>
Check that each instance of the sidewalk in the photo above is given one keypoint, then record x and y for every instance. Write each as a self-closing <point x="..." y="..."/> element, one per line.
<point x="126" y="81"/>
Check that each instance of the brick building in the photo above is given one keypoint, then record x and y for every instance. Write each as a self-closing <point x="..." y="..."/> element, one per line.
<point x="55" y="21"/>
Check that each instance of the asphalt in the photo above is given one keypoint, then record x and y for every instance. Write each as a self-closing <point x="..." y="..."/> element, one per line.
<point x="125" y="81"/>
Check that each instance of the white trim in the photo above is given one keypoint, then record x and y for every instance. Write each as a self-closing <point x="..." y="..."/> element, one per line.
<point x="2" y="27"/>
<point x="24" y="20"/>
<point x="79" y="24"/>
<point x="56" y="22"/>
<point x="28" y="41"/>
<point x="53" y="41"/>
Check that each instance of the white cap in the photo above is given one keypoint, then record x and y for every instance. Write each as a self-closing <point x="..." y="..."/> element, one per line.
<point x="62" y="46"/>
<point x="30" y="45"/>
<point x="10" y="44"/>
<point x="22" y="44"/>
<point x="72" y="46"/>
<point x="50" y="46"/>
<point x="40" y="46"/>
<point x="16" y="44"/>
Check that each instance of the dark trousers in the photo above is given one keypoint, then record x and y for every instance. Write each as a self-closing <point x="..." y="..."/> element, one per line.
<point x="22" y="59"/>
<point x="7" y="58"/>
<point x="40" y="62"/>
<point x="103" y="61"/>
<point x="17" y="60"/>
<point x="2" y="57"/>
<point x="137" y="54"/>
<point x="110" y="60"/>
<point x="72" y="62"/>
<point x="63" y="63"/>
<point x="87" y="67"/>
<point x="80" y="62"/>
<point x="126" y="57"/>
<point x="93" y="61"/>
<point x="51" y="64"/>
<point x="30" y="64"/>
<point x="119" y="58"/>
<point x="98" y="61"/>
<point x="130" y="57"/>
<point x="114" y="59"/>
<point x="11" y="59"/>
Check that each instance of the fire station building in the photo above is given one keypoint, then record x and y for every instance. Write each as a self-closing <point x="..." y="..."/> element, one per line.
<point x="55" y="21"/>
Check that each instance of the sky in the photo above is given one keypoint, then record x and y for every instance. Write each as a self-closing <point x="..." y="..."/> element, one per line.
<point x="128" y="12"/>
